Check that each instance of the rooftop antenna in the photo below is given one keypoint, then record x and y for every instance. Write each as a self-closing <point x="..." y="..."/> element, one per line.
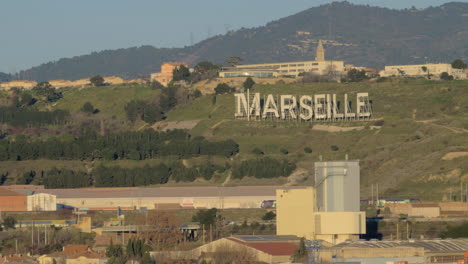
<point x="191" y="39"/>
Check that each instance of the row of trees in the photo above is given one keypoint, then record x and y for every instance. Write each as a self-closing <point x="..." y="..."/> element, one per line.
<point x="120" y="177"/>
<point x="204" y="70"/>
<point x="134" y="145"/>
<point x="25" y="117"/>
<point x="150" y="175"/>
<point x="263" y="168"/>
<point x="136" y="252"/>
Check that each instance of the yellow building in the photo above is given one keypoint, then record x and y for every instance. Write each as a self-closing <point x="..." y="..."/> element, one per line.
<point x="60" y="83"/>
<point x="296" y="214"/>
<point x="114" y="80"/>
<point x="423" y="70"/>
<point x="23" y="84"/>
<point x="319" y="66"/>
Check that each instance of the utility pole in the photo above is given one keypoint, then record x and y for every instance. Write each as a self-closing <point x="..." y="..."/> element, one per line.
<point x="32" y="235"/>
<point x="461" y="191"/>
<point x="203" y="234"/>
<point x="398" y="230"/>
<point x="377" y="195"/>
<point x="407" y="230"/>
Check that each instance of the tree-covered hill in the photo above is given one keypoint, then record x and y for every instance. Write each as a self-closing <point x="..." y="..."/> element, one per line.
<point x="358" y="34"/>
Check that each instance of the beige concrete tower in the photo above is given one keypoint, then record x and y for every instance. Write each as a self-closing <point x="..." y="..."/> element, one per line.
<point x="320" y="54"/>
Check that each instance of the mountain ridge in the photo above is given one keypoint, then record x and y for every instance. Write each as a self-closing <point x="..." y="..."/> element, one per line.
<point x="358" y="34"/>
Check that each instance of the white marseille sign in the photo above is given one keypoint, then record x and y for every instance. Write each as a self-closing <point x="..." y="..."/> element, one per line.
<point x="305" y="107"/>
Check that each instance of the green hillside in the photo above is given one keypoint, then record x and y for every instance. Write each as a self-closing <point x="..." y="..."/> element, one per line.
<point x="423" y="121"/>
<point x="416" y="145"/>
<point x="110" y="100"/>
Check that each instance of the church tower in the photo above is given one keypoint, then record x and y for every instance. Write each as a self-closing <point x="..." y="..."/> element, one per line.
<point x="320" y="54"/>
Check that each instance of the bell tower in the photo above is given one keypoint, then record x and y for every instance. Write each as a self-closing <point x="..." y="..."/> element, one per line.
<point x="320" y="53"/>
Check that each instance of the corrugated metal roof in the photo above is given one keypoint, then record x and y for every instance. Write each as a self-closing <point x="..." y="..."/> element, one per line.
<point x="136" y="192"/>
<point x="442" y="245"/>
<point x="275" y="248"/>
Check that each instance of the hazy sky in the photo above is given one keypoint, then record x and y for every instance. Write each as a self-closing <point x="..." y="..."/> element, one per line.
<point x="37" y="31"/>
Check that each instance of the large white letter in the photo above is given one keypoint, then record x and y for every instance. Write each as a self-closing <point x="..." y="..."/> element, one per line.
<point x="348" y="112"/>
<point x="241" y="104"/>
<point x="336" y="113"/>
<point x="255" y="105"/>
<point x="319" y="108"/>
<point x="329" y="104"/>
<point x="270" y="107"/>
<point x="362" y="105"/>
<point x="306" y="104"/>
<point x="290" y="107"/>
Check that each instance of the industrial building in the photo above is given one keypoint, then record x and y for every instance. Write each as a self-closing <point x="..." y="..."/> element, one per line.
<point x="21" y="199"/>
<point x="246" y="249"/>
<point x="328" y="212"/>
<point x="431" y="70"/>
<point x="41" y="202"/>
<point x="163" y="197"/>
<point x="410" y="251"/>
<point x="338" y="186"/>
<point x="319" y="66"/>
<point x="11" y="201"/>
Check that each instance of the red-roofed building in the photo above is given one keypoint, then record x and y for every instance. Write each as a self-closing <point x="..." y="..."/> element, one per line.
<point x="73" y="254"/>
<point x="265" y="249"/>
<point x="11" y="201"/>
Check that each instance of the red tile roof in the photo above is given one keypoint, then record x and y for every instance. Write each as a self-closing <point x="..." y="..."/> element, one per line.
<point x="75" y="249"/>
<point x="275" y="248"/>
<point x="6" y="192"/>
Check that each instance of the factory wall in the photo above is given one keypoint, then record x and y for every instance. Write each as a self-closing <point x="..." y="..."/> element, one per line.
<point x="295" y="212"/>
<point x="42" y="202"/>
<point x="329" y="223"/>
<point x="155" y="202"/>
<point x="15" y="203"/>
<point x="337" y="186"/>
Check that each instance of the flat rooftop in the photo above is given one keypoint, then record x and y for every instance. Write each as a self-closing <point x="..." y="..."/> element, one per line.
<point x="429" y="245"/>
<point x="140" y="192"/>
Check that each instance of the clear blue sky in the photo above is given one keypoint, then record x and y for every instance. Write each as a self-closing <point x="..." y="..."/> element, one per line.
<point x="37" y="31"/>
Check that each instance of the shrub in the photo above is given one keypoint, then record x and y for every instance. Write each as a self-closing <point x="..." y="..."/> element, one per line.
<point x="155" y="85"/>
<point x="223" y="88"/>
<point x="446" y="77"/>
<point x="197" y="93"/>
<point x="284" y="151"/>
<point x="379" y="123"/>
<point x="334" y="148"/>
<point x="307" y="150"/>
<point x="249" y="83"/>
<point x="269" y="216"/>
<point x="97" y="80"/>
<point x="257" y="151"/>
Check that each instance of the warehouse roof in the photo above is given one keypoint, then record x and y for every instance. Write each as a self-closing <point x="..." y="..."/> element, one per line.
<point x="275" y="248"/>
<point x="6" y="192"/>
<point x="272" y="245"/>
<point x="137" y="192"/>
<point x="435" y="245"/>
